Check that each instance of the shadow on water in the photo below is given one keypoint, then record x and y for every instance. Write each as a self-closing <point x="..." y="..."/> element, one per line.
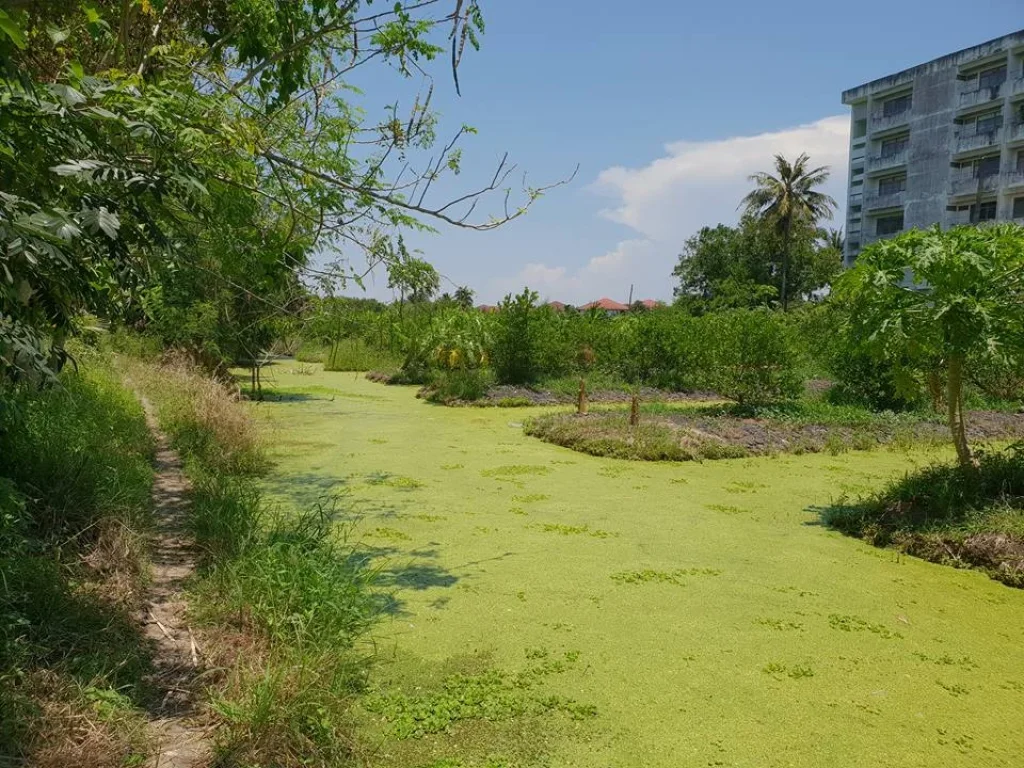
<point x="309" y="489"/>
<point x="396" y="572"/>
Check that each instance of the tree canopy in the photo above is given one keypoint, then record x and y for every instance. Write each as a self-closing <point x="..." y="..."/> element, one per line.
<point x="734" y="267"/>
<point x="938" y="302"/>
<point x="163" y="160"/>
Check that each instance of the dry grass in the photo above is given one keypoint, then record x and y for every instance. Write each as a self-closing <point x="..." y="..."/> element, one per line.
<point x="82" y="728"/>
<point x="205" y="417"/>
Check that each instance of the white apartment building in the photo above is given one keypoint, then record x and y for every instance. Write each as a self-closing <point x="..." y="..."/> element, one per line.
<point x="940" y="143"/>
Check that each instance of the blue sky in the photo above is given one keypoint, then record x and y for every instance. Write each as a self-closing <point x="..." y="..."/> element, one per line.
<point x="666" y="107"/>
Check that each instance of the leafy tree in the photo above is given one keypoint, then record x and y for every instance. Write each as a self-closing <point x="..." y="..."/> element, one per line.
<point x="737" y="267"/>
<point x="414" y="279"/>
<point x="787" y="200"/>
<point x="933" y="303"/>
<point x="131" y="132"/>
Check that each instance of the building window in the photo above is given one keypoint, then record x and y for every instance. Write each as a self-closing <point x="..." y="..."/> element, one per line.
<point x="1020" y="162"/>
<point x="890" y="185"/>
<point x="989" y="123"/>
<point x="889" y="225"/>
<point x="892" y="147"/>
<point x="986" y="166"/>
<point x="992" y="78"/>
<point x="860" y="128"/>
<point x="898" y="105"/>
<point x="1018" y="208"/>
<point x="987" y="211"/>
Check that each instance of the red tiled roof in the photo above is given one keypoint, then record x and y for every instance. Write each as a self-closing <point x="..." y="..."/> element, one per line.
<point x="487" y="308"/>
<point x="556" y="305"/>
<point x="608" y="305"/>
<point x="651" y="303"/>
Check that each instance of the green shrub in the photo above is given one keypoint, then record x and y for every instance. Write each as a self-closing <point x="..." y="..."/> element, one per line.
<point x="514" y="357"/>
<point x="998" y="377"/>
<point x="459" y="384"/>
<point x="752" y="356"/>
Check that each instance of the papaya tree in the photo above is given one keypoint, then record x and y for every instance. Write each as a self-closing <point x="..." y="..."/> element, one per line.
<point x="931" y="302"/>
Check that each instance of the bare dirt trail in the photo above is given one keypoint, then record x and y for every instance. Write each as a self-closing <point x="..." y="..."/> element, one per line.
<point x="180" y="741"/>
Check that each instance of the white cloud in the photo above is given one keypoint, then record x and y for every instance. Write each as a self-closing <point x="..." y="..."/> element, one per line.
<point x="664" y="202"/>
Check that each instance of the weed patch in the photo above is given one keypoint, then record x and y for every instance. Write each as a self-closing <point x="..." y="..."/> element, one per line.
<point x="493" y="695"/>
<point x="677" y="577"/>
<point x="281" y="601"/>
<point x="576" y="530"/>
<point x="857" y="624"/>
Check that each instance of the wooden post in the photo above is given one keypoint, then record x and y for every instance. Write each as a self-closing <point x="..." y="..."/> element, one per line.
<point x="634" y="411"/>
<point x="581" y="401"/>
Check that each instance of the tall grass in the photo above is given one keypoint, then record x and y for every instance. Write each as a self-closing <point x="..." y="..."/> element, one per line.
<point x="283" y="600"/>
<point x="356" y="355"/>
<point x="75" y="479"/>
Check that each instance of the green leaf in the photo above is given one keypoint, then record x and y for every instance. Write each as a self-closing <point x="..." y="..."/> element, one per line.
<point x="12" y="30"/>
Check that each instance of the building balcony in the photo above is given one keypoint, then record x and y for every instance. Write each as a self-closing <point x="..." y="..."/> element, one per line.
<point x="1017" y="86"/>
<point x="969" y="184"/>
<point x="981" y="95"/>
<point x="856" y="198"/>
<point x="882" y="162"/>
<point x="876" y="201"/>
<point x="1015" y="132"/>
<point x="975" y="140"/>
<point x="883" y="122"/>
<point x="1013" y="178"/>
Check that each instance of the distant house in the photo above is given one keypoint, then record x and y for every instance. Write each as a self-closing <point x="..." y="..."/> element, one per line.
<point x="557" y="306"/>
<point x="486" y="308"/>
<point x="651" y="303"/>
<point x="609" y="306"/>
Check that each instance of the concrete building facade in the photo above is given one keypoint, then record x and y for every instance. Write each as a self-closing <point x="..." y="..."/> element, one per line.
<point x="940" y="143"/>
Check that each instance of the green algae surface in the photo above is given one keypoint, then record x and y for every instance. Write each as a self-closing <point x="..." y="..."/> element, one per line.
<point x="547" y="608"/>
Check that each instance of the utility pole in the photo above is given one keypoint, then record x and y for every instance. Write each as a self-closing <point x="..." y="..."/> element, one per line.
<point x="630" y="302"/>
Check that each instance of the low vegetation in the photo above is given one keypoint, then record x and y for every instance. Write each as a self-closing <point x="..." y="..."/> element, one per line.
<point x="698" y="432"/>
<point x="74" y="510"/>
<point x="966" y="516"/>
<point x="282" y="600"/>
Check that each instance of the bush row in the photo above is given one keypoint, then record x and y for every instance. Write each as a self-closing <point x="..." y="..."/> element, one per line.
<point x="748" y="355"/>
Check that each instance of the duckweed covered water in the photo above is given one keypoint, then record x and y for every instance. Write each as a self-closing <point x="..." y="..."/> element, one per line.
<point x="551" y="608"/>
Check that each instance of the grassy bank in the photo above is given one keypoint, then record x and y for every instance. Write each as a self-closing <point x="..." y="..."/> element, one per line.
<point x="669" y="432"/>
<point x="968" y="517"/>
<point x="74" y="509"/>
<point x="281" y="600"/>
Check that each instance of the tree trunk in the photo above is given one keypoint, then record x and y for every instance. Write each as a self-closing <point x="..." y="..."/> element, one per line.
<point x="634" y="411"/>
<point x="955" y="410"/>
<point x="581" y="402"/>
<point x="935" y="390"/>
<point x="786" y="227"/>
<point x="252" y="385"/>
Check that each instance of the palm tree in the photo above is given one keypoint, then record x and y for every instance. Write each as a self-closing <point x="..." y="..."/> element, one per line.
<point x="834" y="239"/>
<point x="788" y="198"/>
<point x="464" y="296"/>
